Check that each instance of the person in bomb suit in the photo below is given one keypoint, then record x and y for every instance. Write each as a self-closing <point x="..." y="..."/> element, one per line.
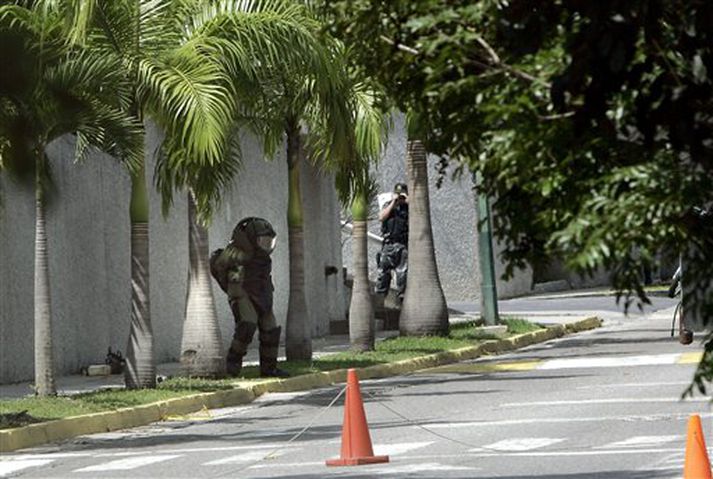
<point x="243" y="269"/>
<point x="394" y="250"/>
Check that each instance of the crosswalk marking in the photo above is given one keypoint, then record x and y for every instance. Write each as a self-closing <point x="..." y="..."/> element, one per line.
<point x="417" y="468"/>
<point x="252" y="456"/>
<point x="637" y="441"/>
<point x="521" y="444"/>
<point x="8" y="467"/>
<point x="598" y="452"/>
<point x="287" y="464"/>
<point x="525" y="447"/>
<point x="396" y="449"/>
<point x="127" y="464"/>
<point x="564" y="420"/>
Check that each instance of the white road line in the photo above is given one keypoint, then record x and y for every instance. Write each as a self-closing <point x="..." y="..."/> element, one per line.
<point x="253" y="456"/>
<point x="609" y="362"/>
<point x="603" y="401"/>
<point x="185" y="450"/>
<point x="417" y="468"/>
<point x="231" y="448"/>
<point x="8" y="467"/>
<point x="635" y="385"/>
<point x="520" y="444"/>
<point x="47" y="455"/>
<point x="637" y="441"/>
<point x="572" y="453"/>
<point x="127" y="464"/>
<point x="400" y="448"/>
<point x="288" y="465"/>
<point x="561" y="420"/>
<point x="374" y="470"/>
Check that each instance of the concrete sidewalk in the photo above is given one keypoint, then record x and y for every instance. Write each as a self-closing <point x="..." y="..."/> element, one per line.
<point x="77" y="383"/>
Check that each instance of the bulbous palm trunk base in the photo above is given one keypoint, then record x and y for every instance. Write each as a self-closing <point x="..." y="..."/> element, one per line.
<point x="140" y="369"/>
<point x="201" y="345"/>
<point x="424" y="309"/>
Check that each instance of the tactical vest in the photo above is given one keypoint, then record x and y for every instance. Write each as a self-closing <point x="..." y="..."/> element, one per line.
<point x="395" y="228"/>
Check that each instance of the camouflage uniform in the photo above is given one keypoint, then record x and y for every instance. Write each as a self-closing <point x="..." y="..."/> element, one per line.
<point x="394" y="252"/>
<point x="243" y="270"/>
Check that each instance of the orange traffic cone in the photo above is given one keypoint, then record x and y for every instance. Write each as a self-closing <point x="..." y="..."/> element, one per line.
<point x="356" y="442"/>
<point x="697" y="465"/>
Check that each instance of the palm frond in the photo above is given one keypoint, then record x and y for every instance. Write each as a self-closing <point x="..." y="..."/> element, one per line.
<point x="190" y="99"/>
<point x="208" y="184"/>
<point x="161" y="26"/>
<point x="371" y="129"/>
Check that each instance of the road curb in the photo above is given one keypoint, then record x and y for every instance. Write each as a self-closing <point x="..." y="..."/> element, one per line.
<point x="46" y="432"/>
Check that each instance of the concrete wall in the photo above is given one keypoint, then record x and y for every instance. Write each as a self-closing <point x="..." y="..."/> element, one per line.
<point x="453" y="222"/>
<point x="89" y="256"/>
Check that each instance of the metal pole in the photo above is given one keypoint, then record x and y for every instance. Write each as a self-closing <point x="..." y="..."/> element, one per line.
<point x="488" y="289"/>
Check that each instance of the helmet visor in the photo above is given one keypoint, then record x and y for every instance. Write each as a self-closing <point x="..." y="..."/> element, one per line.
<point x="266" y="243"/>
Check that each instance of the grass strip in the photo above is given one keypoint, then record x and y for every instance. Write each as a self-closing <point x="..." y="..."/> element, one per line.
<point x="28" y="410"/>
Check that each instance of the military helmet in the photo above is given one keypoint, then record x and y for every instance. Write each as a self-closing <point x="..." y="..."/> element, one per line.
<point x="400" y="188"/>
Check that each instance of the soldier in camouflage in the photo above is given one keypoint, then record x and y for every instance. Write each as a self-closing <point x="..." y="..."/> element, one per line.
<point x="394" y="251"/>
<point x="243" y="269"/>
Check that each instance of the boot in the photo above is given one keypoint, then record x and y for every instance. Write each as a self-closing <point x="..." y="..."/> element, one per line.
<point x="242" y="337"/>
<point x="269" y="345"/>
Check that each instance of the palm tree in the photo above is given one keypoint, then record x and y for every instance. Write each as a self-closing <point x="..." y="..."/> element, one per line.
<point x="321" y="116"/>
<point x="314" y="96"/>
<point x="201" y="344"/>
<point x="361" y="307"/>
<point x="424" y="309"/>
<point x="48" y="89"/>
<point x="282" y="36"/>
<point x="174" y="83"/>
<point x="355" y="186"/>
<point x="183" y="59"/>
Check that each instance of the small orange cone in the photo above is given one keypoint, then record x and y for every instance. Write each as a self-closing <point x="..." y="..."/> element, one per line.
<point x="697" y="465"/>
<point x="356" y="442"/>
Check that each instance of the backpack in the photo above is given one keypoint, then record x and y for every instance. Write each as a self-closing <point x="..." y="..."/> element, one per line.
<point x="219" y="270"/>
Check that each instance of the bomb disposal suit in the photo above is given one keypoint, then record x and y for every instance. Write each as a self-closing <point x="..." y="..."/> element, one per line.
<point x="243" y="269"/>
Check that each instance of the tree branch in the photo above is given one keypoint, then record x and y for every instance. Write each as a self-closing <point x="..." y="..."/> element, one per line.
<point x="495" y="64"/>
<point x="400" y="46"/>
<point x="556" y="116"/>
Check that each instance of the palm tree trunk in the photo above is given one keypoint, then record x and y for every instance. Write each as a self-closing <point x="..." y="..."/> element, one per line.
<point x="298" y="337"/>
<point x="140" y="364"/>
<point x="44" y="363"/>
<point x="361" y="309"/>
<point x="201" y="346"/>
<point x="424" y="310"/>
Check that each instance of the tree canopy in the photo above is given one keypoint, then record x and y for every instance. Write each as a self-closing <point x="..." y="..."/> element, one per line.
<point x="591" y="122"/>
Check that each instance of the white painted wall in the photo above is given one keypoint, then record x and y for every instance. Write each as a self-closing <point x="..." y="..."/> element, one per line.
<point x="89" y="256"/>
<point x="453" y="221"/>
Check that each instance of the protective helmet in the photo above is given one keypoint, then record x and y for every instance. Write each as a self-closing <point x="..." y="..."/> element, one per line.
<point x="260" y="232"/>
<point x="401" y="189"/>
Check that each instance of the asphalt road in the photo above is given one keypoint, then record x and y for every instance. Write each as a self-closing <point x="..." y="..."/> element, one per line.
<point x="570" y="303"/>
<point x="600" y="404"/>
